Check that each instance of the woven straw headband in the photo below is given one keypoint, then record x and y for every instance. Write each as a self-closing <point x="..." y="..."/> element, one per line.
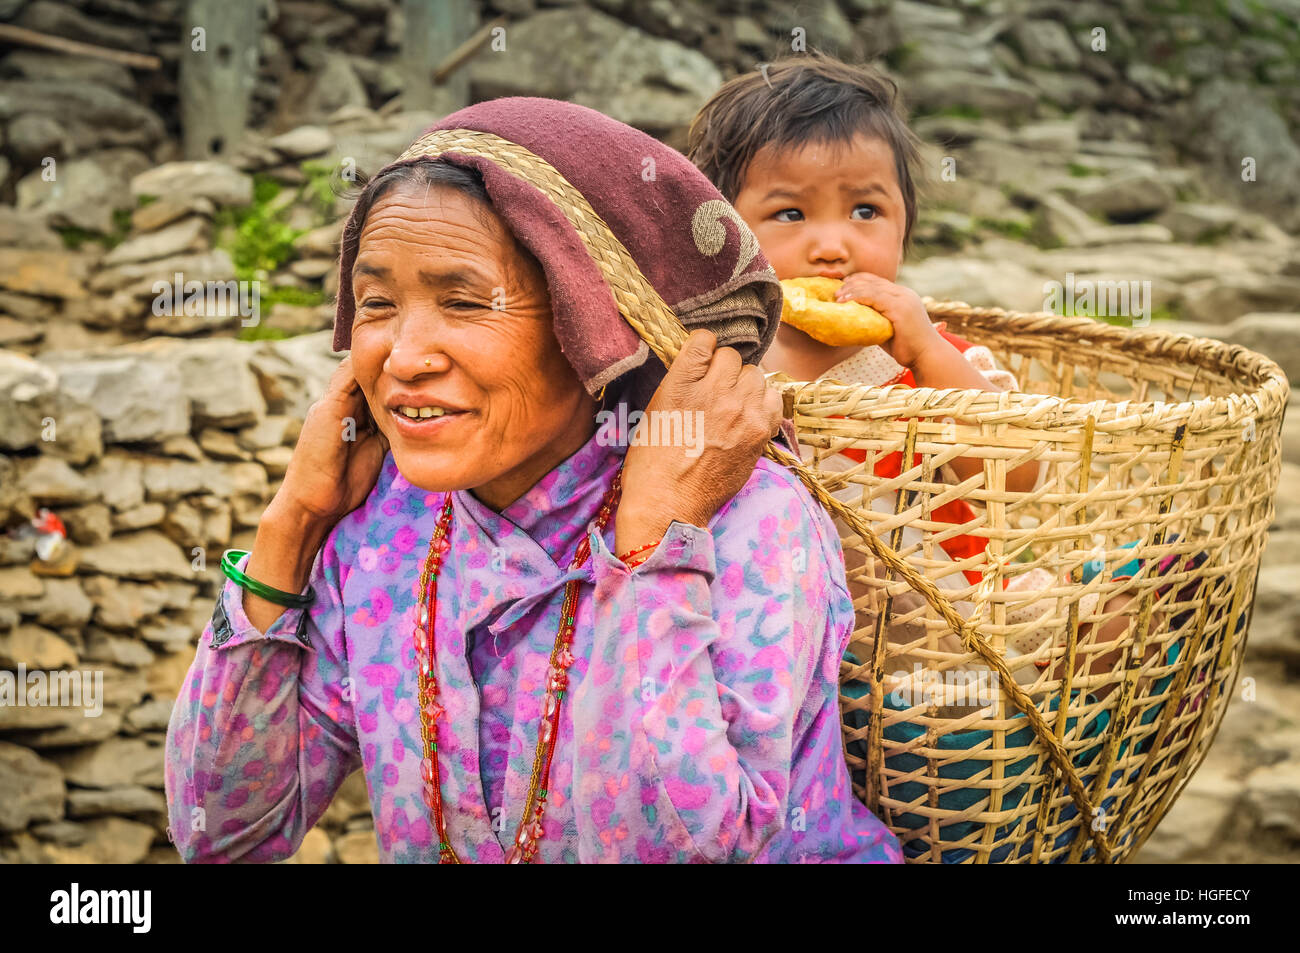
<point x="656" y="323"/>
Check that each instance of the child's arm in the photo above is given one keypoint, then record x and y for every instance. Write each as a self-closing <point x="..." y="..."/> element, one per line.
<point x="934" y="362"/>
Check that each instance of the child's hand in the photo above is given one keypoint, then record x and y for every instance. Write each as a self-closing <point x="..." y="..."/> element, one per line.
<point x="914" y="334"/>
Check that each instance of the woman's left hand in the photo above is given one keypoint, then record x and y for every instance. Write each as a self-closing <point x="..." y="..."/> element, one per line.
<point x="733" y="414"/>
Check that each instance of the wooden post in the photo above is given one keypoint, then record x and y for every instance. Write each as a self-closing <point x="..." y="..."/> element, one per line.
<point x="434" y="30"/>
<point x="220" y="52"/>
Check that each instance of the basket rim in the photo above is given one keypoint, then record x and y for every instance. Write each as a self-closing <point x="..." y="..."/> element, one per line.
<point x="1269" y="389"/>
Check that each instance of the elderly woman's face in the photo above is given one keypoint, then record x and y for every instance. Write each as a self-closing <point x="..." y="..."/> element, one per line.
<point x="453" y="323"/>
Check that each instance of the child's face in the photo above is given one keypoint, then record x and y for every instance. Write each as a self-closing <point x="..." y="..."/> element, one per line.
<point x="826" y="209"/>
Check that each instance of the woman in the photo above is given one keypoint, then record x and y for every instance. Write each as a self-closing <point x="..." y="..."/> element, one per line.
<point x="513" y="689"/>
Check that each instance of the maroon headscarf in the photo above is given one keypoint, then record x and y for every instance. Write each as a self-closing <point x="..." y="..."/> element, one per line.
<point x="690" y="244"/>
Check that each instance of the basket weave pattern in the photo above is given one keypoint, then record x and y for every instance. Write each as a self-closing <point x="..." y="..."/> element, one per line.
<point x="1166" y="440"/>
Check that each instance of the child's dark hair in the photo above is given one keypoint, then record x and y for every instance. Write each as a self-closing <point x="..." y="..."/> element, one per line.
<point x="797" y="100"/>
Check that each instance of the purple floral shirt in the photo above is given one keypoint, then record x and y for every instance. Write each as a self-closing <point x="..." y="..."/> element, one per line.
<point x="701" y="725"/>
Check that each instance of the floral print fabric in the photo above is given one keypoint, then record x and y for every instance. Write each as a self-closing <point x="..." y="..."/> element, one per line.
<point x="702" y="722"/>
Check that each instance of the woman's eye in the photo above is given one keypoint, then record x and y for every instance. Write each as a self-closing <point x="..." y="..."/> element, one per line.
<point x="788" y="211"/>
<point x="871" y="211"/>
<point x="462" y="305"/>
<point x="375" y="304"/>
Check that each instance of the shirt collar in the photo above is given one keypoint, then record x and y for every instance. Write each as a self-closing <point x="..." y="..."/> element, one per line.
<point x="520" y="556"/>
<point x="545" y="509"/>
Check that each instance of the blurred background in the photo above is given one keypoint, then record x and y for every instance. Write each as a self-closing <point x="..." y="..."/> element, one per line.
<point x="148" y="144"/>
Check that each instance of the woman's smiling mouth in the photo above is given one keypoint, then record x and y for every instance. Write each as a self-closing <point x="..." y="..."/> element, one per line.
<point x="424" y="421"/>
<point x="416" y="413"/>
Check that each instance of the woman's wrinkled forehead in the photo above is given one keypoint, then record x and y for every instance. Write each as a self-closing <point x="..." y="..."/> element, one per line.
<point x="439" y="220"/>
<point x="421" y="197"/>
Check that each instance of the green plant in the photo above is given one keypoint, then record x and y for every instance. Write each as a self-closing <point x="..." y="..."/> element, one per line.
<point x="75" y="237"/>
<point x="265" y="189"/>
<point x="1070" y="311"/>
<point x="1161" y="312"/>
<point x="319" y="187"/>
<point x="1081" y="171"/>
<point x="287" y="294"/>
<point x="121" y="225"/>
<point x="1014" y="230"/>
<point x="261" y="332"/>
<point x="1214" y="235"/>
<point x="261" y="241"/>
<point x="898" y="57"/>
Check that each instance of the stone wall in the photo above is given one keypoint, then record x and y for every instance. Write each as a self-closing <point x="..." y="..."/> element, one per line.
<point x="1218" y="80"/>
<point x="157" y="433"/>
<point x="159" y="456"/>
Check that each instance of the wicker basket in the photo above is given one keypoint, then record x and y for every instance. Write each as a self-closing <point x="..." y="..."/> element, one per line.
<point x="1123" y="469"/>
<point x="967" y="775"/>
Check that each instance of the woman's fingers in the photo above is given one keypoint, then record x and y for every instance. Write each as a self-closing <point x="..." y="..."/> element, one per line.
<point x="738" y="414"/>
<point x="340" y="449"/>
<point x="341" y="389"/>
<point x="775" y="407"/>
<point x="694" y="359"/>
<point x="343" y="380"/>
<point x="756" y="398"/>
<point x="349" y="400"/>
<point x="715" y="379"/>
<point x="726" y="366"/>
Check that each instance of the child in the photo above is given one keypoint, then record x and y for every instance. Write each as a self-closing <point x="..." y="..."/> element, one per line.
<point x="817" y="159"/>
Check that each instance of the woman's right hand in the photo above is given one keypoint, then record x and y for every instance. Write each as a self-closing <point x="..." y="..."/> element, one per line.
<point x="329" y="474"/>
<point x="328" y="477"/>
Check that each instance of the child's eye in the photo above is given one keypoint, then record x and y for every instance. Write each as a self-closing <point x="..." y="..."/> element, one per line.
<point x="870" y="209"/>
<point x="791" y="211"/>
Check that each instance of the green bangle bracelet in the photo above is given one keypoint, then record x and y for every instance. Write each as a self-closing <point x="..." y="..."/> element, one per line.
<point x="290" y="600"/>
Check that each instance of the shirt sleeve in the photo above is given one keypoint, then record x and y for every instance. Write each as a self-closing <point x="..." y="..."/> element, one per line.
<point x="262" y="734"/>
<point x="700" y="684"/>
<point x="981" y="358"/>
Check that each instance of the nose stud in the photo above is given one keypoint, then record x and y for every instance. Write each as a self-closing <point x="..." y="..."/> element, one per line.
<point x="427" y="362"/>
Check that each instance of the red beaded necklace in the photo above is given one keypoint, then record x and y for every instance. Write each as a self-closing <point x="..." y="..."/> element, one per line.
<point x="530" y="832"/>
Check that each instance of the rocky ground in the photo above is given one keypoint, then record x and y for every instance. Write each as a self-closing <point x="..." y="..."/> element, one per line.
<point x="158" y="435"/>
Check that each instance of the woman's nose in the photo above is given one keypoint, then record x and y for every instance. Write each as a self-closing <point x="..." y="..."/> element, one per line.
<point x="417" y="347"/>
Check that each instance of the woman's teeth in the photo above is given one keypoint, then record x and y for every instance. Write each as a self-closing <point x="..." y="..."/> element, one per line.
<point x="418" y="412"/>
